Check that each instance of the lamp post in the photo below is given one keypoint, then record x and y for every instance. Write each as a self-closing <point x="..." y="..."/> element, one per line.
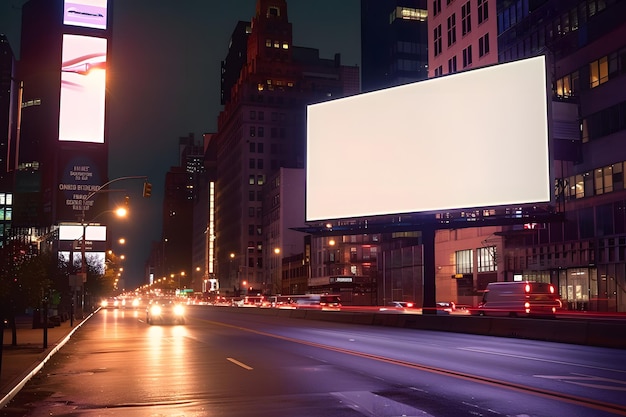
<point x="120" y="211"/>
<point x="278" y="283"/>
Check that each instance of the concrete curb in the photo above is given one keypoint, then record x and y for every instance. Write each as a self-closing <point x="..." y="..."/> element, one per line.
<point x="18" y="383"/>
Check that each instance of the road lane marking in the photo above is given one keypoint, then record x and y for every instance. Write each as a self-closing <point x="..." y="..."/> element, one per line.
<point x="617" y="409"/>
<point x="589" y="381"/>
<point x="510" y="355"/>
<point x="243" y="365"/>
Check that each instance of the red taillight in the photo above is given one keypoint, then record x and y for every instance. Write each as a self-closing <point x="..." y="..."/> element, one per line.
<point x="409" y="305"/>
<point x="527" y="288"/>
<point x="551" y="289"/>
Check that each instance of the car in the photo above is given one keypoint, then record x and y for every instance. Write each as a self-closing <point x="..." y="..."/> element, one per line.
<point x="111" y="302"/>
<point x="400" y="306"/>
<point x="164" y="311"/>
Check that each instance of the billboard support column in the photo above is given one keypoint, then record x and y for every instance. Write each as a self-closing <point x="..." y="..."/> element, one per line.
<point x="428" y="261"/>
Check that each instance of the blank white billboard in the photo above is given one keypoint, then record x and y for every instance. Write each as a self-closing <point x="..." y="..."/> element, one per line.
<point x="74" y="232"/>
<point x="472" y="139"/>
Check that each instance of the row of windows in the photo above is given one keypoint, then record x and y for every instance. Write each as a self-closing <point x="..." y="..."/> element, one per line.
<point x="255" y="196"/>
<point x="466" y="27"/>
<point x="276" y="116"/>
<point x="254" y="147"/>
<point x="256" y="179"/>
<point x="260" y="164"/>
<point x="483" y="49"/>
<point x="482" y="7"/>
<point x="6" y="199"/>
<point x="255" y="212"/>
<point x="555" y="28"/>
<point x="259" y="147"/>
<point x="587" y="223"/>
<point x="559" y="25"/>
<point x="269" y="43"/>
<point x="255" y="230"/>
<point x="485" y="256"/>
<point x="605" y="122"/>
<point x="275" y="132"/>
<point x="408" y="13"/>
<point x="407" y="65"/>
<point x="412" y="48"/>
<point x="600" y="71"/>
<point x="597" y="182"/>
<point x="6" y="214"/>
<point x="512" y="15"/>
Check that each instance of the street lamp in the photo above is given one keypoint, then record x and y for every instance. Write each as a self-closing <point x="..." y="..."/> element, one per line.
<point x="278" y="282"/>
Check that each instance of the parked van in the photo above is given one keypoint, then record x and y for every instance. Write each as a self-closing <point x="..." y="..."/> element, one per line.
<point x="318" y="302"/>
<point x="519" y="298"/>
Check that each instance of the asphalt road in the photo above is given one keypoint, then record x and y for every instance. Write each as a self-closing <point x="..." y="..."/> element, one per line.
<point x="227" y="363"/>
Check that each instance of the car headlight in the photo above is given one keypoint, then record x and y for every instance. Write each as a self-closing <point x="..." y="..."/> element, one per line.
<point x="155" y="310"/>
<point x="179" y="310"/>
<point x="135" y="303"/>
<point x="104" y="303"/>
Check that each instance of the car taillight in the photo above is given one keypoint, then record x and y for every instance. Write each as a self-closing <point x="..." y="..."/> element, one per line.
<point x="527" y="288"/>
<point x="551" y="289"/>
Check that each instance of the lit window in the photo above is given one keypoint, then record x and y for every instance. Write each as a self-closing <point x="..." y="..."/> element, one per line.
<point x="285" y="45"/>
<point x="464" y="261"/>
<point x="408" y="13"/>
<point x="487" y="259"/>
<point x="598" y="72"/>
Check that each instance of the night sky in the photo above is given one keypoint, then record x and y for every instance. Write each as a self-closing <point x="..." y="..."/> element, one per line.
<point x="164" y="83"/>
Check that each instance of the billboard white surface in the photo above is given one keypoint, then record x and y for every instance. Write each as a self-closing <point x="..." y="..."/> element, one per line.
<point x="83" y="88"/>
<point x="75" y="232"/>
<point x="472" y="139"/>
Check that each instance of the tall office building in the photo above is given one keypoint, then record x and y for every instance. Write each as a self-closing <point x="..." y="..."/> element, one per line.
<point x="182" y="190"/>
<point x="8" y="132"/>
<point x="585" y="45"/>
<point x="461" y="35"/>
<point x="261" y="129"/>
<point x="394" y="44"/>
<point x="61" y="151"/>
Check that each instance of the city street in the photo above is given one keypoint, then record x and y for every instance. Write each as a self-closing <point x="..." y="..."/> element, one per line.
<point x="224" y="362"/>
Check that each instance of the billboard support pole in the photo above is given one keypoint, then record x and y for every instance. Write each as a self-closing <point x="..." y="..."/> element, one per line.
<point x="428" y="262"/>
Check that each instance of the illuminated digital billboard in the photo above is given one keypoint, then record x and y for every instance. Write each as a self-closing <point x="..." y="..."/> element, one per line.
<point x="85" y="13"/>
<point x="83" y="87"/>
<point x="473" y="139"/>
<point x="70" y="244"/>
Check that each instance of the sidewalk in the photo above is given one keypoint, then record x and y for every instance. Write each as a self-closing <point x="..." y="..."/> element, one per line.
<point x="21" y="362"/>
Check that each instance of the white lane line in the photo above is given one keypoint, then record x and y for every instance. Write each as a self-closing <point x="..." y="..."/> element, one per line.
<point x="243" y="365"/>
<point x="490" y="352"/>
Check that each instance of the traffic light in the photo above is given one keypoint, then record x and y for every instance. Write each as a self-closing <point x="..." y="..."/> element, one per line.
<point x="147" y="189"/>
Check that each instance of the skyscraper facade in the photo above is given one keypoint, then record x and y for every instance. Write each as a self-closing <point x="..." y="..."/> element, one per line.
<point x="394" y="43"/>
<point x="261" y="129"/>
<point x="61" y="149"/>
<point x="585" y="44"/>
